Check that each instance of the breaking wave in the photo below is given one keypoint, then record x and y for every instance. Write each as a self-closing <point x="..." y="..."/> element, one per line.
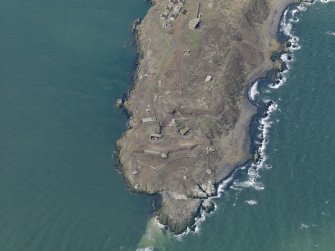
<point x="253" y="170"/>
<point x="252" y="179"/>
<point x="251" y="202"/>
<point x="253" y="92"/>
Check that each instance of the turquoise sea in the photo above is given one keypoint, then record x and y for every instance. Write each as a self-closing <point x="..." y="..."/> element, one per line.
<point x="63" y="65"/>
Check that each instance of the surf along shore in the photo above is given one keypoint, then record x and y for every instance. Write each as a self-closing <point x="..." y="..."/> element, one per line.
<point x="189" y="108"/>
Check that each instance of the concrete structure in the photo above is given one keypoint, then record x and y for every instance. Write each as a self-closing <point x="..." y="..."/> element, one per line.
<point x="155" y="136"/>
<point x="184" y="131"/>
<point x="163" y="155"/>
<point x="149" y="119"/>
<point x="194" y="23"/>
<point x="171" y="12"/>
<point x="208" y="78"/>
<point x="164" y="15"/>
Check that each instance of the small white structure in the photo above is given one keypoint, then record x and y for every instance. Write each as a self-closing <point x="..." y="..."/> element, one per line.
<point x="119" y="103"/>
<point x="149" y="119"/>
<point x="177" y="9"/>
<point x="208" y="78"/>
<point x="172" y="123"/>
<point x="169" y="7"/>
<point x="163" y="155"/>
<point x="164" y="15"/>
<point x="194" y="23"/>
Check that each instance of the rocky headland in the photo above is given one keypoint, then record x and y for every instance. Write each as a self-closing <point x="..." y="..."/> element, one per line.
<point x="189" y="110"/>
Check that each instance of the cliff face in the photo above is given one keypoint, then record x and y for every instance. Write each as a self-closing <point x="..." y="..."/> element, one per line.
<point x="189" y="111"/>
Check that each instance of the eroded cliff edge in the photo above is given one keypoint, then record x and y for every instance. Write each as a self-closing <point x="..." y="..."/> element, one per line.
<point x="189" y="109"/>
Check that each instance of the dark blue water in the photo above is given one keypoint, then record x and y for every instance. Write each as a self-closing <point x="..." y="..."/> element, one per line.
<point x="63" y="64"/>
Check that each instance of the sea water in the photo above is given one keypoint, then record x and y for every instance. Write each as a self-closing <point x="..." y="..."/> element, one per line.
<point x="63" y="65"/>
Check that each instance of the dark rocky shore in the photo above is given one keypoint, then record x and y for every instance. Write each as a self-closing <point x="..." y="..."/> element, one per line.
<point x="189" y="111"/>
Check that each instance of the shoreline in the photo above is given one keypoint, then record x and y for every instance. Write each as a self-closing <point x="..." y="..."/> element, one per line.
<point x="268" y="86"/>
<point x="262" y="117"/>
<point x="274" y="17"/>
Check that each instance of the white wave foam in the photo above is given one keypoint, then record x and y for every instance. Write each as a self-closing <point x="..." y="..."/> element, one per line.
<point x="198" y="220"/>
<point x="302" y="226"/>
<point x="327" y="1"/>
<point x="146" y="249"/>
<point x="253" y="92"/>
<point x="308" y="3"/>
<point x="301" y="7"/>
<point x="280" y="80"/>
<point x="265" y="123"/>
<point x="317" y="1"/>
<point x="330" y="33"/>
<point x="288" y="58"/>
<point x="251" y="202"/>
<point x="202" y="215"/>
<point x="250" y="183"/>
<point x="286" y="26"/>
<point x="253" y="172"/>
<point x="293" y="12"/>
<point x="294" y="20"/>
<point x="224" y="184"/>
